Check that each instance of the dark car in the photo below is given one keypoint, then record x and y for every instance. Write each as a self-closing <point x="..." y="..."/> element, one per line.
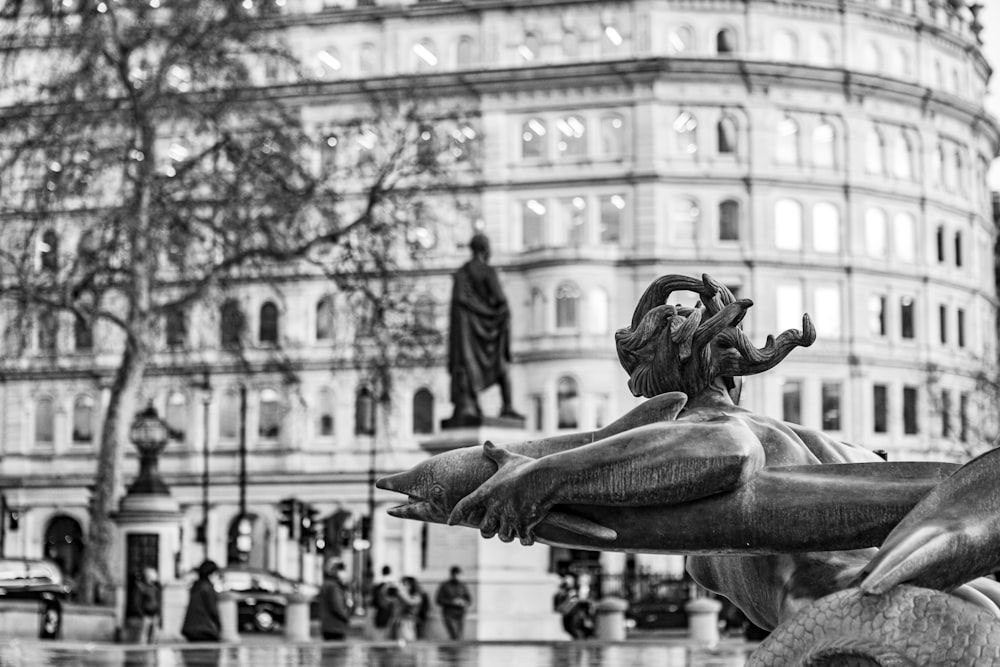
<point x="662" y="607"/>
<point x="36" y="579"/>
<point x="262" y="596"/>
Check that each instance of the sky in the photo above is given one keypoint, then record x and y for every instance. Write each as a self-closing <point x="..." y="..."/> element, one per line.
<point x="990" y="18"/>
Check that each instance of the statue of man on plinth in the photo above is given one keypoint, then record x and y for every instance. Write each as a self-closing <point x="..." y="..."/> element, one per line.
<point x="478" y="338"/>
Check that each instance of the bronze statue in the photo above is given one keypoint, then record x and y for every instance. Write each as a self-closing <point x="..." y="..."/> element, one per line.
<point x="776" y="517"/>
<point x="478" y="337"/>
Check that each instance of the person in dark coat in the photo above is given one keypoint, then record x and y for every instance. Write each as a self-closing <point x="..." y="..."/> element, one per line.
<point x="334" y="612"/>
<point x="201" y="620"/>
<point x="478" y="336"/>
<point x="454" y="599"/>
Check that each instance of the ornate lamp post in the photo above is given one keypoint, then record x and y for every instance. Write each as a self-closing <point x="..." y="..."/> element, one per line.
<point x="149" y="435"/>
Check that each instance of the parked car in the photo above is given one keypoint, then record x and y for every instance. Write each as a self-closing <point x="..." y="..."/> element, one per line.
<point x="36" y="579"/>
<point x="262" y="596"/>
<point x="662" y="607"/>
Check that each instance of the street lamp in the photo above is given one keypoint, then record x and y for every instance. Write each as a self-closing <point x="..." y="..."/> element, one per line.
<point x="149" y="435"/>
<point x="206" y="401"/>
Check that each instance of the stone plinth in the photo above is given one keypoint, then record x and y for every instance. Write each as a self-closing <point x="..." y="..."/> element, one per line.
<point x="511" y="585"/>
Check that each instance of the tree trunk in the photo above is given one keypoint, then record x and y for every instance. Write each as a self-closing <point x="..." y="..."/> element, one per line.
<point x="100" y="572"/>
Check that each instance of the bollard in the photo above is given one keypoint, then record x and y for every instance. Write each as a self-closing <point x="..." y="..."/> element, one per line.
<point x="228" y="618"/>
<point x="611" y="619"/>
<point x="703" y="620"/>
<point x="297" y="618"/>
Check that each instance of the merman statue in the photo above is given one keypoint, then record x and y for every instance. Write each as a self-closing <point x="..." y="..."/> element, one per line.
<point x="780" y="519"/>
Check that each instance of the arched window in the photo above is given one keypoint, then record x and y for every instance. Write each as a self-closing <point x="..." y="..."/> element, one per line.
<point x="729" y="220"/>
<point x="875" y="152"/>
<point x="787" y="224"/>
<point x="324" y="413"/>
<point x="268" y="330"/>
<point x="64" y="544"/>
<point x="904" y="230"/>
<point x="328" y="63"/>
<point x="176" y="327"/>
<point x="423" y="411"/>
<point x="533" y="133"/>
<point x="567" y="403"/>
<point x="83" y="419"/>
<point x="903" y="157"/>
<point x="784" y="46"/>
<point x="83" y="335"/>
<point x="612" y="135"/>
<point x="680" y="40"/>
<point x="45" y="427"/>
<point x="939" y="166"/>
<point x="572" y="231"/>
<point x="533" y="214"/>
<point x="425" y="314"/>
<point x="364" y="412"/>
<point x="246" y="533"/>
<point x="899" y="63"/>
<point x="876" y="232"/>
<point x="537" y="311"/>
<point x="232" y="323"/>
<point x="612" y="212"/>
<point x="567" y="306"/>
<point x="530" y="48"/>
<point x="48" y="332"/>
<point x="938" y="74"/>
<point x="823" y="142"/>
<point x="826" y="227"/>
<point x="465" y="51"/>
<point x="48" y="251"/>
<point x="726" y="135"/>
<point x="571" y="43"/>
<point x="269" y="416"/>
<point x="572" y="140"/>
<point x="686" y="219"/>
<point x="821" y="51"/>
<point x="872" y="60"/>
<point x="325" y="318"/>
<point x="787" y="148"/>
<point x="725" y="41"/>
<point x="958" y="180"/>
<point x="686" y="131"/>
<point x="229" y="415"/>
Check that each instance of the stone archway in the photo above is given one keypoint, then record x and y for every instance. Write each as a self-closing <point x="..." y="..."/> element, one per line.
<point x="259" y="535"/>
<point x="64" y="544"/>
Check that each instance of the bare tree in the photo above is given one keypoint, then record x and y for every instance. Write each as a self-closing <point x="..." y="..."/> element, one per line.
<point x="147" y="164"/>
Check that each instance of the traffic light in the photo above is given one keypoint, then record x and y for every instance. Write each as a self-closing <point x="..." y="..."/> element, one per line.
<point x="338" y="532"/>
<point x="310" y="524"/>
<point x="288" y="513"/>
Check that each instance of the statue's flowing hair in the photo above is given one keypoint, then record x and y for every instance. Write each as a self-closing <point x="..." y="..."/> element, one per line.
<point x="676" y="348"/>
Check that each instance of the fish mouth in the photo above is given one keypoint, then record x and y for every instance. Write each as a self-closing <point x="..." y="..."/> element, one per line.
<point x="419" y="509"/>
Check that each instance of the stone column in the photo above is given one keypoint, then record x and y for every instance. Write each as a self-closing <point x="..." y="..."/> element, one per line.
<point x="611" y="619"/>
<point x="297" y="618"/>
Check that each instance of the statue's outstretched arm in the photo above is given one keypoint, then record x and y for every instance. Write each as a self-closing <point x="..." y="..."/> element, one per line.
<point x="656" y="464"/>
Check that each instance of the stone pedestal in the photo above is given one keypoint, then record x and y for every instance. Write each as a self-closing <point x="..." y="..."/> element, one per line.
<point x="611" y="619"/>
<point x="297" y="618"/>
<point x="703" y="620"/>
<point x="229" y="630"/>
<point x="511" y="585"/>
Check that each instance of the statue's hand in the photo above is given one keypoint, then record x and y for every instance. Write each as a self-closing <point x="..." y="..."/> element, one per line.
<point x="506" y="504"/>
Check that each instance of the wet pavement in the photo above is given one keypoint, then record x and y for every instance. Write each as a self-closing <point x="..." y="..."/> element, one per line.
<point x="666" y="653"/>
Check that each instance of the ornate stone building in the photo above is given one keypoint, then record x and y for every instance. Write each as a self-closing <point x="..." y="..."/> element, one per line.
<point x="820" y="156"/>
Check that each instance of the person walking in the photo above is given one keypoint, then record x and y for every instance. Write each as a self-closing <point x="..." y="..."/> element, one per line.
<point x="406" y="605"/>
<point x="142" y="607"/>
<point x="454" y="599"/>
<point x="383" y="601"/>
<point x="334" y="612"/>
<point x="201" y="620"/>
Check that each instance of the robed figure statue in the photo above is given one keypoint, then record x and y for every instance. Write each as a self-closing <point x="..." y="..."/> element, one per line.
<point x="479" y="337"/>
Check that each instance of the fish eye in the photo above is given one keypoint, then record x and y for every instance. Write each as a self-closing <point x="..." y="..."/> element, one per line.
<point x="437" y="490"/>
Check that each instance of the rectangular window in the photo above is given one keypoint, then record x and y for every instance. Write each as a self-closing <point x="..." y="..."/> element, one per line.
<point x="533" y="224"/>
<point x="943" y="322"/>
<point x="788" y="303"/>
<point x="940" y="245"/>
<point x="906" y="325"/>
<point x="961" y="327"/>
<point x="729" y="221"/>
<point x="963" y="417"/>
<point x="538" y="411"/>
<point x="826" y="305"/>
<point x="831" y="406"/>
<point x="945" y="413"/>
<point x="958" y="248"/>
<point x="791" y="401"/>
<point x="880" y="401"/>
<point x="612" y="210"/>
<point x="910" y="426"/>
<point x="574" y="221"/>
<point x="876" y="314"/>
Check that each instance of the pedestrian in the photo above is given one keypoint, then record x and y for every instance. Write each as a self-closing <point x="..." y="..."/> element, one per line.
<point x="383" y="600"/>
<point x="201" y="620"/>
<point x="423" y="608"/>
<point x="405" y="607"/>
<point x="142" y="607"/>
<point x="454" y="599"/>
<point x="334" y="612"/>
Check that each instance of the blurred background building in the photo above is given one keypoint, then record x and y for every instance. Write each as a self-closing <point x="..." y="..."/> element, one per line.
<point x="822" y="156"/>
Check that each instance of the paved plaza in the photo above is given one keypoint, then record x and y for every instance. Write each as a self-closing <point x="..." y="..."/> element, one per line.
<point x="665" y="653"/>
